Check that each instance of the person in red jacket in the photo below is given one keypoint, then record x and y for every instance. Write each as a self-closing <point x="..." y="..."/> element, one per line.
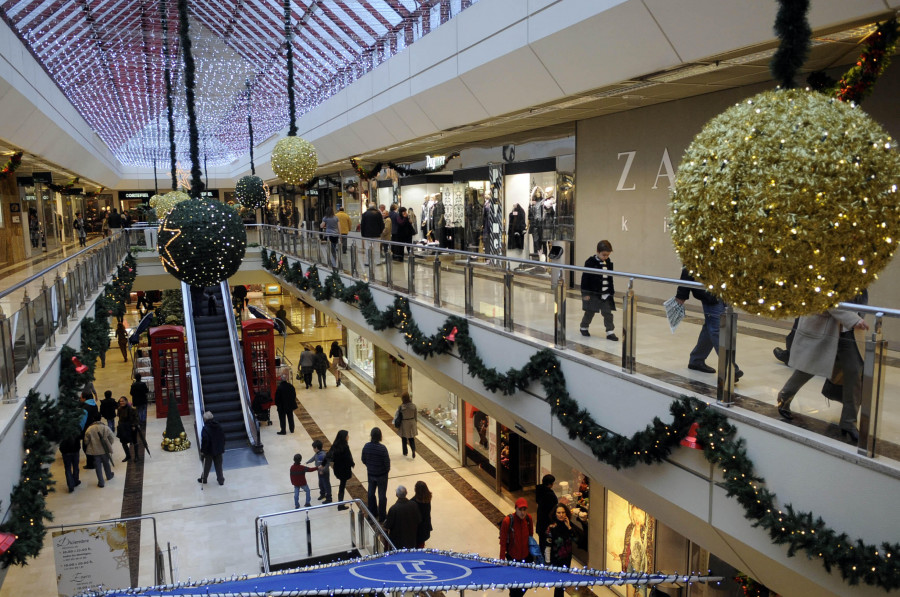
<point x="298" y="480"/>
<point x="515" y="531"/>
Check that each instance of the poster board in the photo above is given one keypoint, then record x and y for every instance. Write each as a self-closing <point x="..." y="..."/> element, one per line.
<point x="88" y="557"/>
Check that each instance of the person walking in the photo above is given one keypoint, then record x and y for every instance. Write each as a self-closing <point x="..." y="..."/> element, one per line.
<point x="386" y="232"/>
<point x="377" y="461"/>
<point x="598" y="292"/>
<point x="708" y="340"/>
<point x="515" y="530"/>
<point x="122" y="337"/>
<point x="108" y="408"/>
<point x="546" y="501"/>
<point x="307" y="365"/>
<point x="409" y="428"/>
<point x="139" y="399"/>
<point x="127" y="432"/>
<point x="557" y="542"/>
<point x="403" y="232"/>
<point x="212" y="446"/>
<point x="80" y="229"/>
<point x="422" y="498"/>
<point x="402" y="523"/>
<point x="331" y="225"/>
<point x="337" y="361"/>
<point x="822" y="341"/>
<point x="343" y="227"/>
<point x="371" y="225"/>
<point x="320" y="457"/>
<point x="70" y="448"/>
<point x="298" y="480"/>
<point x="342" y="461"/>
<point x="89" y="415"/>
<point x="285" y="404"/>
<point x="321" y="366"/>
<point x="98" y="443"/>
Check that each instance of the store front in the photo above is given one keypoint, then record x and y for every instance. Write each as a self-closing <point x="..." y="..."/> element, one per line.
<point x="469" y="188"/>
<point x="361" y="356"/>
<point x="431" y="199"/>
<point x="438" y="408"/>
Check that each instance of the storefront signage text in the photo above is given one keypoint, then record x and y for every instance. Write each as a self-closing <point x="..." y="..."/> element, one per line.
<point x="665" y="170"/>
<point x="435" y="161"/>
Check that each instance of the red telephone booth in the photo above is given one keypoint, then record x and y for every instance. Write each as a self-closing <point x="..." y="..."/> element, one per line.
<point x="259" y="355"/>
<point x="167" y="357"/>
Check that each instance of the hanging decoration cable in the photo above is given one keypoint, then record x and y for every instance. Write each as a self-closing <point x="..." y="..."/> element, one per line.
<point x="294" y="160"/>
<point x="201" y="241"/>
<point x="250" y="191"/>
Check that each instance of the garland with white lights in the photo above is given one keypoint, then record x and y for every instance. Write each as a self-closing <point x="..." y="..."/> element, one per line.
<point x="857" y="561"/>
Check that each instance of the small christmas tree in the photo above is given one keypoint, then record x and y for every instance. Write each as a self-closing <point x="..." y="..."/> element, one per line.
<point x="174" y="437"/>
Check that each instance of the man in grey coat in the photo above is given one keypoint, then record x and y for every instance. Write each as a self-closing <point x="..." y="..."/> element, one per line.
<point x="98" y="442"/>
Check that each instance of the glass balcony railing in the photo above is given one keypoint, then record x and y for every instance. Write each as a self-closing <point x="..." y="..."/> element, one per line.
<point x="538" y="300"/>
<point x="63" y="289"/>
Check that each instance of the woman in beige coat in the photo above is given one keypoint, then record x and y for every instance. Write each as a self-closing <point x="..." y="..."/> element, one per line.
<point x="408" y="425"/>
<point x="820" y="341"/>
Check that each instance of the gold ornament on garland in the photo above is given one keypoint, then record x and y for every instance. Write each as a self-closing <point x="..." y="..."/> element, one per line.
<point x="786" y="204"/>
<point x="294" y="160"/>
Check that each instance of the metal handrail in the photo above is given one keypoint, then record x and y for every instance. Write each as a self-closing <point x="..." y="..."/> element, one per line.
<point x="35" y="277"/>
<point x="193" y="359"/>
<point x="250" y="422"/>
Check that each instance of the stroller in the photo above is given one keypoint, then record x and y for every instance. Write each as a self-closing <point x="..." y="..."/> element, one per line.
<point x="261" y="404"/>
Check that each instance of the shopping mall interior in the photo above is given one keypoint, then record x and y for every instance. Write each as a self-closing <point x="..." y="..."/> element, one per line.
<point x="518" y="134"/>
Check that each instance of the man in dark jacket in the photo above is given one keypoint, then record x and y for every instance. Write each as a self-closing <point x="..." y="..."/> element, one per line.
<point x="546" y="501"/>
<point x="713" y="307"/>
<point x="403" y="521"/>
<point x="598" y="291"/>
<point x="286" y="404"/>
<point x="114" y="220"/>
<point x="139" y="400"/>
<point x="371" y="225"/>
<point x="378" y="464"/>
<point x="212" y="446"/>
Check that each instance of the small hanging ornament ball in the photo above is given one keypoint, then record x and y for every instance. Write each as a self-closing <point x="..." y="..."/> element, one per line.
<point x="202" y="242"/>
<point x="786" y="204"/>
<point x="251" y="192"/>
<point x="294" y="160"/>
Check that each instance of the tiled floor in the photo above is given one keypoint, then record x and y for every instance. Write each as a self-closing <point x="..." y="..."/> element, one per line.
<point x="210" y="528"/>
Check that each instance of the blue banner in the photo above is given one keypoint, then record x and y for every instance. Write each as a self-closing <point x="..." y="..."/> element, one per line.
<point x="405" y="570"/>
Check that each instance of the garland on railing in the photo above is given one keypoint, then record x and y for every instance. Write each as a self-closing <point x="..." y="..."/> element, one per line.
<point x="15" y="160"/>
<point x="856" y="561"/>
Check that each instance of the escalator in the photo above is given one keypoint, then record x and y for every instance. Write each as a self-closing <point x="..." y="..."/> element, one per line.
<point x="217" y="371"/>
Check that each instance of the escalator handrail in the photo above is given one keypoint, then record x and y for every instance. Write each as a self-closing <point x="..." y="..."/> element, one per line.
<point x="237" y="356"/>
<point x="193" y="359"/>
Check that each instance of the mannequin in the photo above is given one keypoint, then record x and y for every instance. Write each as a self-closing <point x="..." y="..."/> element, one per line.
<point x="438" y="220"/>
<point x="474" y="219"/>
<point x="516" y="228"/>
<point x="426" y="215"/>
<point x="549" y="207"/>
<point x="536" y="220"/>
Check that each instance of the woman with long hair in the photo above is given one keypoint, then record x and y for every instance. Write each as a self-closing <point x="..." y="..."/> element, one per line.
<point x="337" y="361"/>
<point x="557" y="540"/>
<point x="342" y="462"/>
<point x="422" y="498"/>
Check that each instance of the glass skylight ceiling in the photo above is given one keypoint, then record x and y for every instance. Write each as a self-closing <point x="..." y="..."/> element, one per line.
<point x="107" y="57"/>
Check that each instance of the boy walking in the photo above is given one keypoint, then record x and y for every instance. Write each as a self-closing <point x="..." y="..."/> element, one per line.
<point x="298" y="480"/>
<point x="323" y="467"/>
<point x="598" y="292"/>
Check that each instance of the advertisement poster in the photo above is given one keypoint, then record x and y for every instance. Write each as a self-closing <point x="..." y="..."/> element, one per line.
<point x="88" y="557"/>
<point x="630" y="542"/>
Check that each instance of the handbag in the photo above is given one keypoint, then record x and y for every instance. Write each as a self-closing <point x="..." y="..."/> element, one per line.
<point x="535" y="550"/>
<point x="398" y="418"/>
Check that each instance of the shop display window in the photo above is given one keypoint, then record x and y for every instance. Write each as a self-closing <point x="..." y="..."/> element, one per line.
<point x="361" y="354"/>
<point x="530" y="210"/>
<point x="438" y="409"/>
<point x="481" y="439"/>
<point x="630" y="541"/>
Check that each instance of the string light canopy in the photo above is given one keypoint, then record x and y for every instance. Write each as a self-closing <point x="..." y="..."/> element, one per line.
<point x="107" y="58"/>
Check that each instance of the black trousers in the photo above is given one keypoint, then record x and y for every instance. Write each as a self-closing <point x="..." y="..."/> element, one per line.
<point x="289" y="417"/>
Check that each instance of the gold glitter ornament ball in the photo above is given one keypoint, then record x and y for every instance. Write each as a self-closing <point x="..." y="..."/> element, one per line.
<point x="294" y="160"/>
<point x="163" y="204"/>
<point x="786" y="204"/>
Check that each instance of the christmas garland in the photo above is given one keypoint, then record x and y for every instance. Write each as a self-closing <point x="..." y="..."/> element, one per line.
<point x="794" y="34"/>
<point x="65" y="189"/>
<point x="857" y="561"/>
<point x="48" y="421"/>
<point x="312" y="182"/>
<point x="15" y="160"/>
<point x="363" y="173"/>
<point x="94" y="194"/>
<point x="187" y="55"/>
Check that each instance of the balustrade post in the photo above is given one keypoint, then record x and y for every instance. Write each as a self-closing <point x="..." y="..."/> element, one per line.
<point x="469" y="284"/>
<point x="62" y="306"/>
<point x="7" y="361"/>
<point x="389" y="271"/>
<point x="31" y="347"/>
<point x="629" y="329"/>
<point x="47" y="312"/>
<point x="411" y="274"/>
<point x="559" y="307"/>
<point x="508" y="321"/>
<point x="354" y="261"/>
<point x="436" y="276"/>
<point x="79" y="286"/>
<point x="872" y="388"/>
<point x="370" y="261"/>
<point x="727" y="352"/>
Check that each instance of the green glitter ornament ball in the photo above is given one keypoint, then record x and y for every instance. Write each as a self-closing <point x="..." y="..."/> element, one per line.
<point x="250" y="191"/>
<point x="202" y="242"/>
